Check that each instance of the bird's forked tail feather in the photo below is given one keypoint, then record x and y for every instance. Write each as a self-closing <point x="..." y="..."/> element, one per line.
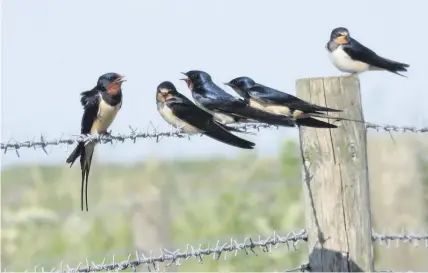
<point x="315" y="123"/>
<point x="221" y="133"/>
<point x="75" y="154"/>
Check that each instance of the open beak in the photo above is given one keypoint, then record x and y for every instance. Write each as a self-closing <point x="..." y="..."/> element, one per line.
<point x="184" y="79"/>
<point x="120" y="79"/>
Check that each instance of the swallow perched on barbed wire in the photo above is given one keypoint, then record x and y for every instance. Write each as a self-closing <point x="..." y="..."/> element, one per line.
<point x="348" y="55"/>
<point x="274" y="101"/>
<point x="183" y="114"/>
<point x="101" y="105"/>
<point x="225" y="107"/>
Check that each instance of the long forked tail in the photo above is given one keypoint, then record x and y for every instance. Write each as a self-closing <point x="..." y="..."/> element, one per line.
<point x="325" y="109"/>
<point x="392" y="66"/>
<point x="85" y="165"/>
<point x="84" y="175"/>
<point x="311" y="122"/>
<point x="321" y="115"/>
<point x="221" y="133"/>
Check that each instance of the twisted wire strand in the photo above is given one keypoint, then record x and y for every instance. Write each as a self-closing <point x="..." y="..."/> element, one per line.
<point x="135" y="134"/>
<point x="248" y="246"/>
<point x="411" y="238"/>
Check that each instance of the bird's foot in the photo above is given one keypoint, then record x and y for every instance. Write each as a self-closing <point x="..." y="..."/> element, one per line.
<point x="178" y="131"/>
<point x="105" y="133"/>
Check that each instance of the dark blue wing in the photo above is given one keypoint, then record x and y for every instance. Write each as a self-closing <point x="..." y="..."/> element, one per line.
<point x="359" y="52"/>
<point x="187" y="111"/>
<point x="90" y="101"/>
<point x="273" y="96"/>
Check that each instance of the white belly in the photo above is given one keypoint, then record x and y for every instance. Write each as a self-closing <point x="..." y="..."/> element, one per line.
<point x="344" y="63"/>
<point x="169" y="117"/>
<point x="106" y="115"/>
<point x="274" y="109"/>
<point x="223" y="118"/>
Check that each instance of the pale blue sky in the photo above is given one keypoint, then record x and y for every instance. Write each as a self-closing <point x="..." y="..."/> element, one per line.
<point x="53" y="50"/>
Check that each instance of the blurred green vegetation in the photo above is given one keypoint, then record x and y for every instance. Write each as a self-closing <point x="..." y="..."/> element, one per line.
<point x="204" y="200"/>
<point x="201" y="201"/>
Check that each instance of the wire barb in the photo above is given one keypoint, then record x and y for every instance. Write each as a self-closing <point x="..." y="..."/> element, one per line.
<point x="248" y="246"/>
<point x="410" y="238"/>
<point x="172" y="257"/>
<point x="135" y="134"/>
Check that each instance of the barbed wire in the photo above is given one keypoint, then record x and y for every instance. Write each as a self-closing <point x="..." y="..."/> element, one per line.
<point x="248" y="246"/>
<point x="411" y="238"/>
<point x="153" y="133"/>
<point x="394" y="128"/>
<point x="167" y="257"/>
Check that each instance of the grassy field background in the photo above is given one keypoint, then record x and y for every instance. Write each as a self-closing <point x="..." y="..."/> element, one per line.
<point x="154" y="204"/>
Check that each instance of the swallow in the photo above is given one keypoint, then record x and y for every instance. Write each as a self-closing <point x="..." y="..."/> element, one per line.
<point x="101" y="105"/>
<point x="225" y="107"/>
<point x="348" y="55"/>
<point x="183" y="114"/>
<point x="274" y="101"/>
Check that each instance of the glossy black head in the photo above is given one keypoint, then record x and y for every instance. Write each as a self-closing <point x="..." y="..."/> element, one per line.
<point x="240" y="85"/>
<point x="165" y="91"/>
<point x="196" y="77"/>
<point x="340" y="35"/>
<point x="110" y="83"/>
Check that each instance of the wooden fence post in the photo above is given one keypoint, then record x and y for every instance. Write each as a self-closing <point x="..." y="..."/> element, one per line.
<point x="335" y="179"/>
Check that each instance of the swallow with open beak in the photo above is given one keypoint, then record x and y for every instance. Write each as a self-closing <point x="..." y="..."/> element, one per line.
<point x="183" y="114"/>
<point x="101" y="105"/>
<point x="225" y="107"/>
<point x="277" y="102"/>
<point x="348" y="55"/>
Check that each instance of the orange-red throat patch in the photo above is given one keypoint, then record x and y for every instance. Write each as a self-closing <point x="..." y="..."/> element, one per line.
<point x="341" y="40"/>
<point x="114" y="88"/>
<point x="164" y="95"/>
<point x="189" y="83"/>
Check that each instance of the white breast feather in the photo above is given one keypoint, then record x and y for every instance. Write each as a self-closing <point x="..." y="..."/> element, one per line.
<point x="106" y="115"/>
<point x="274" y="109"/>
<point x="169" y="117"/>
<point x="344" y="63"/>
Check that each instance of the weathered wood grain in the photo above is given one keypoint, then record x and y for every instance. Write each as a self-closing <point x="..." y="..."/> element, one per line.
<point x="335" y="179"/>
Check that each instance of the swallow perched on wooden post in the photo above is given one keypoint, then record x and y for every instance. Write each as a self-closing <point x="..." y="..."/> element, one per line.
<point x="225" y="107"/>
<point x="274" y="101"/>
<point x="348" y="55"/>
<point x="183" y="114"/>
<point x="101" y="105"/>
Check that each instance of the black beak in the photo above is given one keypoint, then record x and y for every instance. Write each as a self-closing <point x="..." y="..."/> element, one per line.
<point x="120" y="79"/>
<point x="184" y="79"/>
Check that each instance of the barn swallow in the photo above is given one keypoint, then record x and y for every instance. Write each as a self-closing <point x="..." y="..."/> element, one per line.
<point x="100" y="104"/>
<point x="183" y="114"/>
<point x="274" y="101"/>
<point x="225" y="107"/>
<point x="348" y="55"/>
